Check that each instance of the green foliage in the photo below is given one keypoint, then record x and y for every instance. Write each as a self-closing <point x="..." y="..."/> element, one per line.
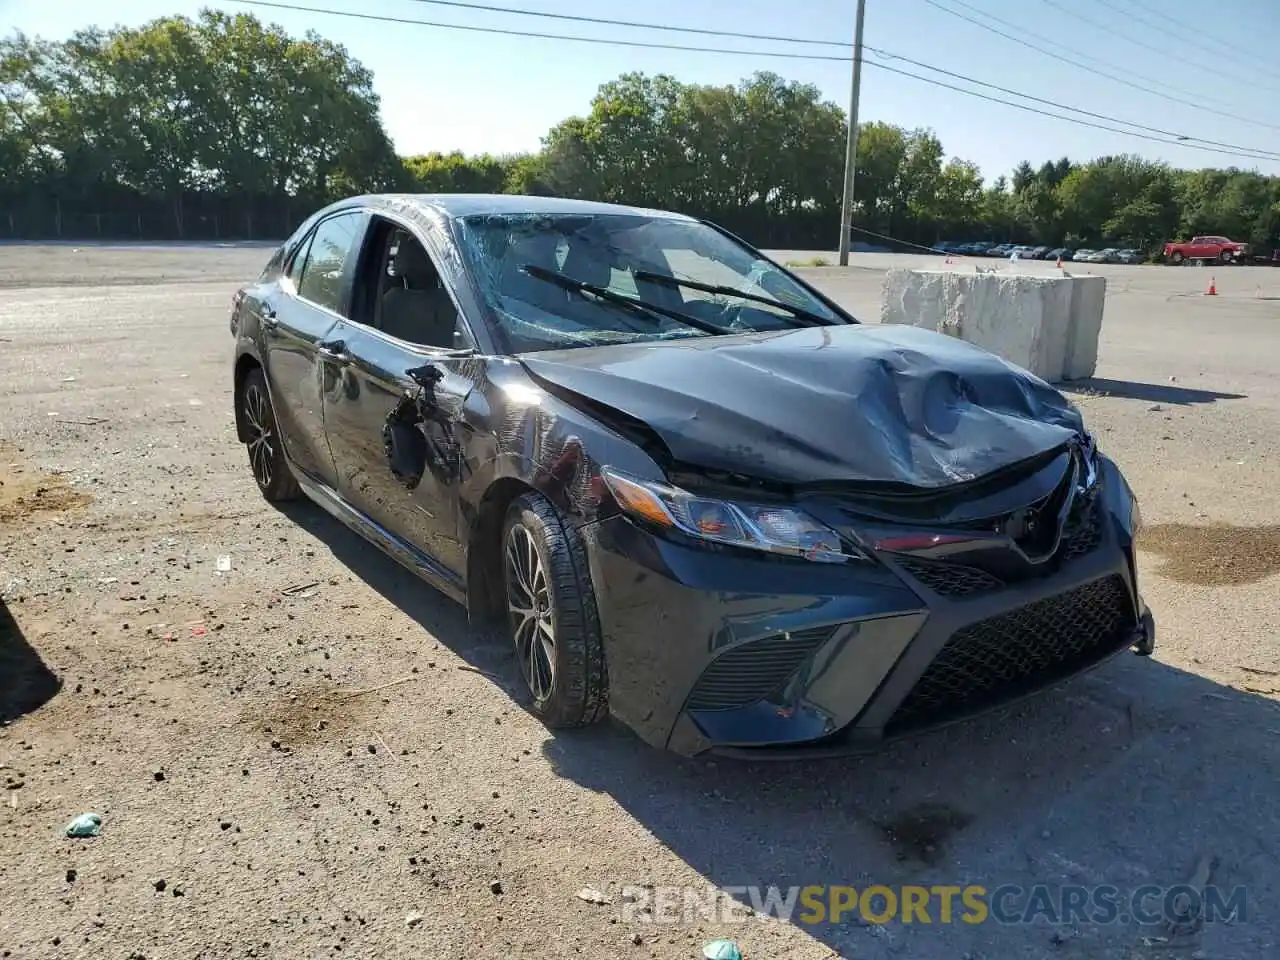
<point x="222" y="126"/>
<point x="179" y="111"/>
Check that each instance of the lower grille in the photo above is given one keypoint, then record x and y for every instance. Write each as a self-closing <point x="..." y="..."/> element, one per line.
<point x="951" y="579"/>
<point x="750" y="672"/>
<point x="1003" y="657"/>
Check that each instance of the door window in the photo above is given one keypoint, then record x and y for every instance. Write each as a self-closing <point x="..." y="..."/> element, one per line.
<point x="413" y="304"/>
<point x="331" y="247"/>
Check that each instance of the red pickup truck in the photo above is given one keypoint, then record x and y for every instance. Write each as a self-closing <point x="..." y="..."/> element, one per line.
<point x="1206" y="248"/>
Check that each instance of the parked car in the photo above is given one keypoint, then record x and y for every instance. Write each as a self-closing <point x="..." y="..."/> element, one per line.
<point x="697" y="492"/>
<point x="1060" y="253"/>
<point x="1090" y="256"/>
<point x="1129" y="256"/>
<point x="1207" y="248"/>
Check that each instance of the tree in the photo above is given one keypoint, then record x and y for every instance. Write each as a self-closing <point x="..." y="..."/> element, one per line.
<point x="222" y="125"/>
<point x="219" y="106"/>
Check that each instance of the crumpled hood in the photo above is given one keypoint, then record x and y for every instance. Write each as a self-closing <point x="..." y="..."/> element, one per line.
<point x="863" y="404"/>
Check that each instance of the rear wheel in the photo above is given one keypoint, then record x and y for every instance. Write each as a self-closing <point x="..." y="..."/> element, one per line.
<point x="266" y="449"/>
<point x="551" y="609"/>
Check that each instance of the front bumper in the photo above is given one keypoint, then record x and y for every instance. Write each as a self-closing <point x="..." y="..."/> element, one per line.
<point x="738" y="655"/>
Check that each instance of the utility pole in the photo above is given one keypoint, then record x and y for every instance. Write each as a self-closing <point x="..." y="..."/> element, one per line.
<point x="851" y="148"/>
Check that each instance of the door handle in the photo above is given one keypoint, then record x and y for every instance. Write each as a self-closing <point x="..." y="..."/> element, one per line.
<point x="334" y="350"/>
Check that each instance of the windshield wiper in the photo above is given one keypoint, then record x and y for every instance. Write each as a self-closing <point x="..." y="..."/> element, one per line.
<point x="808" y="317"/>
<point x="643" y="307"/>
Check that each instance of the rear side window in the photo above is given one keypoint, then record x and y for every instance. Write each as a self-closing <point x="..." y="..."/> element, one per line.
<point x="326" y="261"/>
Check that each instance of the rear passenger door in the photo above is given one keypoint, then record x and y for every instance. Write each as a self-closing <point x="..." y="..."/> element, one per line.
<point x="314" y="297"/>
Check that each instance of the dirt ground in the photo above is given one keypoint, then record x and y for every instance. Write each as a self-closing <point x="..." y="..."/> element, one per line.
<point x="299" y="750"/>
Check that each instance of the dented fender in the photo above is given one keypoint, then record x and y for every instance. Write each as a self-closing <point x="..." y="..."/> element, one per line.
<point x="519" y="432"/>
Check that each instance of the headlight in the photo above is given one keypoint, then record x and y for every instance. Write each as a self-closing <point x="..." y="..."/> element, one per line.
<point x="769" y="527"/>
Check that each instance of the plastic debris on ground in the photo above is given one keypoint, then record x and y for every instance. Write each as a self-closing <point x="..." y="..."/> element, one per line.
<point x="593" y="896"/>
<point x="722" y="950"/>
<point x="224" y="563"/>
<point x="85" y="825"/>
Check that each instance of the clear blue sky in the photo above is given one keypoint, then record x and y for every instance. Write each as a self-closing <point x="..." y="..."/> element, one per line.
<point x="448" y="89"/>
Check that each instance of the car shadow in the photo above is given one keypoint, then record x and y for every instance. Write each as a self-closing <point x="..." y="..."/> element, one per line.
<point x="1125" y="776"/>
<point x="26" y="684"/>
<point x="445" y="620"/>
<point x="1148" y="392"/>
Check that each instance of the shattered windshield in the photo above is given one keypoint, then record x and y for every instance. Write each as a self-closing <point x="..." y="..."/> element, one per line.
<point x="629" y="255"/>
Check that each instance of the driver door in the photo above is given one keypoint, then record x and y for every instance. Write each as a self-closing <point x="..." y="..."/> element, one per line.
<point x="394" y="417"/>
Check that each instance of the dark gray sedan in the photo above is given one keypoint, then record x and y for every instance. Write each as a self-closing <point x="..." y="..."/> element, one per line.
<point x="700" y="495"/>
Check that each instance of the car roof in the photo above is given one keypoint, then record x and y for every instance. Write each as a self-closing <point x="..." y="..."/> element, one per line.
<point x="472" y="204"/>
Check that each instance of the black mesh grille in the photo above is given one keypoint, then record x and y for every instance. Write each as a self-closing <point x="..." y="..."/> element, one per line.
<point x="951" y="579"/>
<point x="1083" y="532"/>
<point x="752" y="671"/>
<point x="1014" y="653"/>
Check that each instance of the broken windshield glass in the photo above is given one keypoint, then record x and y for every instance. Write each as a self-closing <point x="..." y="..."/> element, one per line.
<point x="680" y="270"/>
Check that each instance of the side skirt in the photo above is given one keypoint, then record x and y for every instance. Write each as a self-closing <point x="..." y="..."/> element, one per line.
<point x="395" y="547"/>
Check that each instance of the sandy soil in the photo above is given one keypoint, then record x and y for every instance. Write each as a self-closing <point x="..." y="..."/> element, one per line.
<point x="307" y="754"/>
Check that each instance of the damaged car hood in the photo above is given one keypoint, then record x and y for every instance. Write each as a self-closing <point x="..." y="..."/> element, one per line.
<point x="849" y="404"/>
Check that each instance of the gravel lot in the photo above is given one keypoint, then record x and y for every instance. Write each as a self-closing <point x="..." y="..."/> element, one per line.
<point x="343" y="769"/>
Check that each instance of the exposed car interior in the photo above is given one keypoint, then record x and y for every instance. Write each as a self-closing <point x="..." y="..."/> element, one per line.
<point x="411" y="302"/>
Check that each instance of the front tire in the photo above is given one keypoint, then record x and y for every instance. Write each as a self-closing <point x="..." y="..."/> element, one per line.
<point x="1177" y="257"/>
<point x="551" y="610"/>
<point x="266" y="448"/>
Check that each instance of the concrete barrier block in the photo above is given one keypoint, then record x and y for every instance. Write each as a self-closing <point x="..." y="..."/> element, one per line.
<point x="1088" y="299"/>
<point x="1037" y="321"/>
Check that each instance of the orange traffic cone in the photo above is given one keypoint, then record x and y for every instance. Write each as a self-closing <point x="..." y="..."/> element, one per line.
<point x="1059" y="263"/>
<point x="1213" y="287"/>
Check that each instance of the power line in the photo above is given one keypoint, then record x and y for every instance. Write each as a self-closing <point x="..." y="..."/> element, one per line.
<point x="1194" y="143"/>
<point x="700" y="31"/>
<point x="1094" y="70"/>
<point x="508" y="32"/>
<point x="1258" y="155"/>
<point x="1178" y="137"/>
<point x="773" y="38"/>
<point x="545" y="15"/>
<point x="1112" y="31"/>
<point x="1194" y="35"/>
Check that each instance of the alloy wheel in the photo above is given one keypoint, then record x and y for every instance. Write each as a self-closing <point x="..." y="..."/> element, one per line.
<point x="262" y="438"/>
<point x="530" y="609"/>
